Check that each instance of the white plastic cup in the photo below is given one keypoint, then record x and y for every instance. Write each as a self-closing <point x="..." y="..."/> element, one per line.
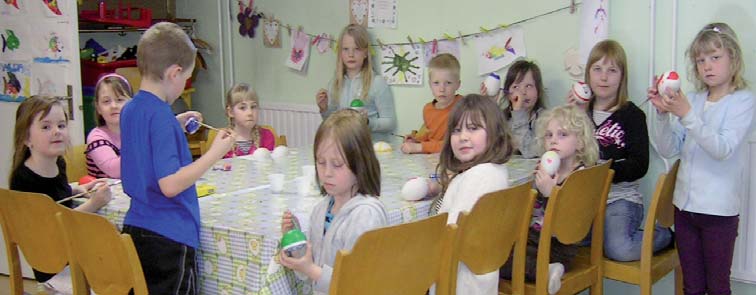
<point x="308" y="171"/>
<point x="276" y="182"/>
<point x="492" y="82"/>
<point x="304" y="185"/>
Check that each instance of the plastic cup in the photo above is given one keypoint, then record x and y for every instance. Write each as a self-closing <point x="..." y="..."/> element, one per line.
<point x="276" y="182"/>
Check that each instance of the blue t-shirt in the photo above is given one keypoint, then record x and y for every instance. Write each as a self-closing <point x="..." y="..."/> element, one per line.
<point x="154" y="146"/>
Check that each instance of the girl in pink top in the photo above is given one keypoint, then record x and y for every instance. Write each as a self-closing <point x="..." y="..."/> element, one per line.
<point x="104" y="142"/>
<point x="242" y="113"/>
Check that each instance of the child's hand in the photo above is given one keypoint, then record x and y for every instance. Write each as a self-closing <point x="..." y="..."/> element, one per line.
<point x="484" y="92"/>
<point x="101" y="196"/>
<point x="287" y="222"/>
<point x="545" y="182"/>
<point x="676" y="103"/>
<point x="573" y="100"/>
<point x="188" y="114"/>
<point x="223" y="142"/>
<point x="411" y="147"/>
<point x="322" y="99"/>
<point x="97" y="182"/>
<point x="653" y="95"/>
<point x="517" y="102"/>
<point x="302" y="264"/>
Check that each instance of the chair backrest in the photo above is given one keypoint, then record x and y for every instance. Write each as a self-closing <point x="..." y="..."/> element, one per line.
<point x="661" y="211"/>
<point x="486" y="234"/>
<point x="28" y="222"/>
<point x="401" y="259"/>
<point x="76" y="162"/>
<point x="132" y="75"/>
<point x="106" y="260"/>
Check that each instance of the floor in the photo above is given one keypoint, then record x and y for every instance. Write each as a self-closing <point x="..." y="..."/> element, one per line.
<point x="29" y="285"/>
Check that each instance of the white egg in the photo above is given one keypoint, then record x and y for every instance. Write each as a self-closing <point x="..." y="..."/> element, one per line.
<point x="581" y="91"/>
<point x="669" y="80"/>
<point x="415" y="189"/>
<point x="382" y="147"/>
<point x="550" y="162"/>
<point x="280" y="151"/>
<point x="261" y="154"/>
<point x="492" y="83"/>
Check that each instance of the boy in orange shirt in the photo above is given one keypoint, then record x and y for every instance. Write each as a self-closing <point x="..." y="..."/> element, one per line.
<point x="443" y="73"/>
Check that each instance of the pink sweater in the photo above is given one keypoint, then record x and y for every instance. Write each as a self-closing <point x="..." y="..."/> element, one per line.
<point x="267" y="140"/>
<point x="103" y="153"/>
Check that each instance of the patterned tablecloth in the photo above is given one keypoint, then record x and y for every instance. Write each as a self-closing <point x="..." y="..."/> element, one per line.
<point x="240" y="229"/>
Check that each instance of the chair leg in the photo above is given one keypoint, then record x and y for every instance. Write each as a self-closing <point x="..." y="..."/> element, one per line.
<point x="678" y="281"/>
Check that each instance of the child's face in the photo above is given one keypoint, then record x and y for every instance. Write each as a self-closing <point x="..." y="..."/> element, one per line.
<point x="605" y="78"/>
<point x="333" y="171"/>
<point x="109" y="104"/>
<point x="352" y="56"/>
<point x="48" y="136"/>
<point x="526" y="91"/>
<point x="561" y="141"/>
<point x="244" y="114"/>
<point x="444" y="85"/>
<point x="468" y="140"/>
<point x="714" y="68"/>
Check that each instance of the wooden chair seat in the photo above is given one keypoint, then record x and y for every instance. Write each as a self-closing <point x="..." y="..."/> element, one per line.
<point x="661" y="264"/>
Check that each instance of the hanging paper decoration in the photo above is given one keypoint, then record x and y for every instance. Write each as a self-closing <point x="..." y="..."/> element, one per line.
<point x="401" y="64"/>
<point x="248" y="19"/>
<point x="17" y="42"/>
<point x="499" y="48"/>
<point x="53" y="9"/>
<point x="49" y="79"/>
<point x="272" y="32"/>
<point x="16" y="80"/>
<point x="573" y="65"/>
<point x="594" y="25"/>
<point x="322" y="42"/>
<point x="10" y="7"/>
<point x="49" y="47"/>
<point x="437" y="47"/>
<point x="358" y="12"/>
<point x="300" y="50"/>
<point x="382" y="13"/>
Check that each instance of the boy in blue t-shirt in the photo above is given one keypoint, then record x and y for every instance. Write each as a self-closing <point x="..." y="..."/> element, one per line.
<point x="156" y="164"/>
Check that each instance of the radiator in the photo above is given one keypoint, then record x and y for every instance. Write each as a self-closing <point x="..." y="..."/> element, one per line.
<point x="744" y="262"/>
<point x="298" y="122"/>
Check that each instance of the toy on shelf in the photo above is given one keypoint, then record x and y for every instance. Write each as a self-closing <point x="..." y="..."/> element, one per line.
<point x="122" y="15"/>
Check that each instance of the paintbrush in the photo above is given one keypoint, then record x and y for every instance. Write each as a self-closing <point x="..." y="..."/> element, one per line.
<point x="117" y="182"/>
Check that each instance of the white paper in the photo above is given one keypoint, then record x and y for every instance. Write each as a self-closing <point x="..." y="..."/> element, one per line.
<point x="49" y="79"/>
<point x="17" y="42"/>
<point x="16" y="79"/>
<point x="594" y="25"/>
<point x="437" y="47"/>
<point x="402" y="64"/>
<point x="382" y="14"/>
<point x="300" y="51"/>
<point x="499" y="48"/>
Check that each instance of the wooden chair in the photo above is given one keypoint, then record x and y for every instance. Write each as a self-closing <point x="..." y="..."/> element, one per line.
<point x="76" y="162"/>
<point x="486" y="235"/>
<point x="574" y="209"/>
<point x="28" y="222"/>
<point x="651" y="268"/>
<point x="401" y="259"/>
<point x="100" y="258"/>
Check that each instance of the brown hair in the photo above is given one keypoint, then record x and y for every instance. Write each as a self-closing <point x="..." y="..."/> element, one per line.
<point x="25" y="115"/>
<point x="573" y="120"/>
<point x="362" y="40"/>
<point x="483" y="112"/>
<point x="515" y="74"/>
<point x="238" y="93"/>
<point x="349" y="130"/>
<point x="120" y="87"/>
<point x="712" y="36"/>
<point x="444" y="61"/>
<point x="163" y="45"/>
<point x="614" y="52"/>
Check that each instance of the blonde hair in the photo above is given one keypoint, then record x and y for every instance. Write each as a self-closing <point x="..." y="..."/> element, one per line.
<point x="25" y="114"/>
<point x="573" y="120"/>
<point x="163" y="45"/>
<point x="484" y="113"/>
<point x="444" y="61"/>
<point x="349" y="130"/>
<point x="120" y="87"/>
<point x="362" y="40"/>
<point x="711" y="37"/>
<point x="614" y="52"/>
<point x="238" y="93"/>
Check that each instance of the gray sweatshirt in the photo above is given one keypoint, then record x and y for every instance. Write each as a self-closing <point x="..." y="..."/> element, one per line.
<point x="358" y="215"/>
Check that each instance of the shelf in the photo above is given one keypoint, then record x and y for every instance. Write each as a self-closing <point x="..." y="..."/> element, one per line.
<point x="96" y="27"/>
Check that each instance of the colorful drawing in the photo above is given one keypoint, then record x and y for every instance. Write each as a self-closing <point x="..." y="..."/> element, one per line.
<point x="53" y="6"/>
<point x="49" y="46"/>
<point x="300" y="51"/>
<point x="499" y="48"/>
<point x="401" y="64"/>
<point x="437" y="47"/>
<point x="594" y="25"/>
<point x="599" y="17"/>
<point x="271" y="30"/>
<point x="248" y="19"/>
<point x="16" y="79"/>
<point x="11" y="7"/>
<point x="358" y="12"/>
<point x="10" y="41"/>
<point x="13" y="3"/>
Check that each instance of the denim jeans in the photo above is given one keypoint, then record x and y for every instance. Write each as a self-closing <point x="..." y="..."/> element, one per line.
<point x="623" y="236"/>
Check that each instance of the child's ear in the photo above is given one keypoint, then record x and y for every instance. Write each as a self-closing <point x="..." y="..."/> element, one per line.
<point x="172" y="72"/>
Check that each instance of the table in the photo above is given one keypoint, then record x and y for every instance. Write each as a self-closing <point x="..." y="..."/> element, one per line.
<point x="240" y="223"/>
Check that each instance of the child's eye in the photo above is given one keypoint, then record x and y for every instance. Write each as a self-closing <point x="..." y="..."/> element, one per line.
<point x="529" y="86"/>
<point x="62" y="126"/>
<point x="716" y="57"/>
<point x="457" y="130"/>
<point x="45" y="127"/>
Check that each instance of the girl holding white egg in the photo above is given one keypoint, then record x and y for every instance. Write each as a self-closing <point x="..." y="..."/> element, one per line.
<point x="242" y="112"/>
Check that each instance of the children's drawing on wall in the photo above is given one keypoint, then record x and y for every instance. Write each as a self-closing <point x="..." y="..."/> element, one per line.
<point x="358" y="12"/>
<point x="402" y="64"/>
<point x="53" y="9"/>
<point x="322" y="42"/>
<point x="16" y="42"/>
<point x="300" y="50"/>
<point x="437" y="47"/>
<point x="382" y="14"/>
<point x="248" y="19"/>
<point x="272" y="30"/>
<point x="16" y="80"/>
<point x="11" y="7"/>
<point x="573" y="65"/>
<point x="50" y="47"/>
<point x="594" y="25"/>
<point x="499" y="48"/>
<point x="49" y="79"/>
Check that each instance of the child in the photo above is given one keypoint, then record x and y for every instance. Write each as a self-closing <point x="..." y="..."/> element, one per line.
<point x="350" y="177"/>
<point x="622" y="136"/>
<point x="708" y="132"/>
<point x="443" y="77"/>
<point x="104" y="141"/>
<point x="354" y="79"/>
<point x="242" y="112"/>
<point x="568" y="131"/>
<point x="475" y="151"/>
<point x="40" y="139"/>
<point x="523" y="88"/>
<point x="158" y="173"/>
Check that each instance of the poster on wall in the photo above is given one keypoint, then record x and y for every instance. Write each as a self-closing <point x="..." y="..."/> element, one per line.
<point x="272" y="32"/>
<point x="48" y="44"/>
<point x="437" y="47"/>
<point x="382" y="14"/>
<point x="499" y="48"/>
<point x="49" y="79"/>
<point x="300" y="51"/>
<point x="52" y="9"/>
<point x="402" y="64"/>
<point x="16" y="81"/>
<point x="17" y="41"/>
<point x="12" y="7"/>
<point x="358" y="12"/>
<point x="594" y="25"/>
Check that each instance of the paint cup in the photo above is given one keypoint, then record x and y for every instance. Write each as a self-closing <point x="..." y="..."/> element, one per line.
<point x="294" y="243"/>
<point x="276" y="182"/>
<point x="304" y="185"/>
<point x="192" y="125"/>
